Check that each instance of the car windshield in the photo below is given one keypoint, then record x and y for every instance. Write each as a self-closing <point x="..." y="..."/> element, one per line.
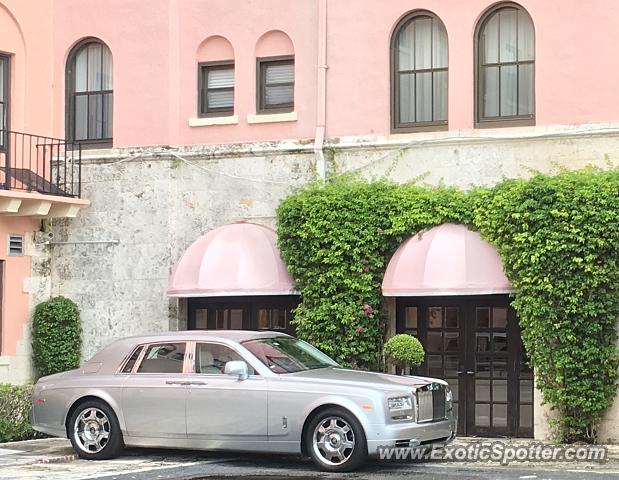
<point x="288" y="355"/>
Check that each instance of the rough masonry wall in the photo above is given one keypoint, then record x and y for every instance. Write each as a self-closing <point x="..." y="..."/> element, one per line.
<point x="146" y="210"/>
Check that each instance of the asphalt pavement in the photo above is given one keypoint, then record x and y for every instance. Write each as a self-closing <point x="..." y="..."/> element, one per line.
<point x="52" y="459"/>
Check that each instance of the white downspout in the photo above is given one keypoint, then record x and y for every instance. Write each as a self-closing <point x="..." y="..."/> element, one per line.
<point x="321" y="92"/>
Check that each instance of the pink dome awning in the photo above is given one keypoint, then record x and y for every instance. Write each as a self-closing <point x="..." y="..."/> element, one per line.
<point x="445" y="260"/>
<point x="233" y="260"/>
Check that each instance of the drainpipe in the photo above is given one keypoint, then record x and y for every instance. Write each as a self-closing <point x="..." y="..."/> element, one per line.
<point x="321" y="93"/>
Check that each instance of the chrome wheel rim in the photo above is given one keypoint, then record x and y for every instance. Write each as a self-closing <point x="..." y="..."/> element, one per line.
<point x="91" y="431"/>
<point x="333" y="441"/>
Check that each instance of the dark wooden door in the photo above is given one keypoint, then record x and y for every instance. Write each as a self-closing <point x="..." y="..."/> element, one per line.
<point x="474" y="344"/>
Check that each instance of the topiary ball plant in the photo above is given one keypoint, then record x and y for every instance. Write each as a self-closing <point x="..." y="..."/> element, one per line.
<point x="404" y="350"/>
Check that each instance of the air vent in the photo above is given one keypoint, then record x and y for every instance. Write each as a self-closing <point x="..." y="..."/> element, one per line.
<point x="16" y="245"/>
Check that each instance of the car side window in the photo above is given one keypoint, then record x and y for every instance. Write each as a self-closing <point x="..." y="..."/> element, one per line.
<point x="163" y="358"/>
<point x="128" y="368"/>
<point x="211" y="358"/>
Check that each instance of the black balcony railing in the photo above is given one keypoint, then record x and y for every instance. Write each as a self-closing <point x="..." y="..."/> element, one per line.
<point x="35" y="163"/>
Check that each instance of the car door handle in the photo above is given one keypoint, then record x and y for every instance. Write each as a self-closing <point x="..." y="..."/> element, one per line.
<point x="198" y="383"/>
<point x="176" y="382"/>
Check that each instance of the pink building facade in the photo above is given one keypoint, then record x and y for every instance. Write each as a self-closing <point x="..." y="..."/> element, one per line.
<point x="155" y="63"/>
<point x="187" y="115"/>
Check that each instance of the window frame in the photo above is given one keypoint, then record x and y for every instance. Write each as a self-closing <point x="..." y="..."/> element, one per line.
<point x="187" y="358"/>
<point x="253" y="372"/>
<point x="396" y="125"/>
<point x="6" y="59"/>
<point x="500" y="121"/>
<point x="202" y="88"/>
<point x="127" y="359"/>
<point x="261" y="64"/>
<point x="70" y="95"/>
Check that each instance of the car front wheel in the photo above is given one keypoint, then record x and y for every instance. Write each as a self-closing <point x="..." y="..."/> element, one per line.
<point x="94" y="431"/>
<point x="336" y="441"/>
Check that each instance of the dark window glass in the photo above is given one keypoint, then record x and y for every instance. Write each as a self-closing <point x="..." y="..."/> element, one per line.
<point x="90" y="93"/>
<point x="212" y="358"/>
<point x="216" y="89"/>
<point x="287" y="355"/>
<point x="275" y="85"/>
<point x="131" y="362"/>
<point x="506" y="59"/>
<point x="229" y="319"/>
<point x="163" y="358"/>
<point x="420" y="73"/>
<point x="274" y="318"/>
<point x="4" y="98"/>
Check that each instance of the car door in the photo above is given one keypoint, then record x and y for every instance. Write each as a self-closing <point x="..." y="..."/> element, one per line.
<point x="154" y="393"/>
<point x="222" y="409"/>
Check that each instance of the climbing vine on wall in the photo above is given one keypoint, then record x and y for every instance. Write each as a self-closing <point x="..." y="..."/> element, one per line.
<point x="558" y="237"/>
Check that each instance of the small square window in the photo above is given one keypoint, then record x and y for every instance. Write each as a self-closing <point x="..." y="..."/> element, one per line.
<point x="15" y="245"/>
<point x="216" y="89"/>
<point x="275" y="85"/>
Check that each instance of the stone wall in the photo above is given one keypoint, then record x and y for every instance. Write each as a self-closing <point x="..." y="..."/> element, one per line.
<point x="147" y="207"/>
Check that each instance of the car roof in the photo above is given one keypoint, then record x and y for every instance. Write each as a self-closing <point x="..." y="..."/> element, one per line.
<point x="234" y="335"/>
<point x="110" y="357"/>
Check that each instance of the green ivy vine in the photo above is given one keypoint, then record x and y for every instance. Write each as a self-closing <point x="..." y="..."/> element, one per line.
<point x="558" y="237"/>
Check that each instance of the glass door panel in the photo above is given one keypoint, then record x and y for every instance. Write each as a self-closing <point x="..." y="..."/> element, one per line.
<point x="474" y="344"/>
<point x="201" y="321"/>
<point x="490" y="371"/>
<point x="229" y="319"/>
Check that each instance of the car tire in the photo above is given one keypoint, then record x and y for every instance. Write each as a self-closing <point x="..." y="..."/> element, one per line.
<point x="94" y="431"/>
<point x="335" y="441"/>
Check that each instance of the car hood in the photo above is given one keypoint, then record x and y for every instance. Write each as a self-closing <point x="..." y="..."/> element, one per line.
<point x="382" y="381"/>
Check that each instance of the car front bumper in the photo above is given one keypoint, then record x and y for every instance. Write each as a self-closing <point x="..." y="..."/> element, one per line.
<point x="410" y="434"/>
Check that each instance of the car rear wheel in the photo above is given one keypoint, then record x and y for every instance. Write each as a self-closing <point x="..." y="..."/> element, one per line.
<point x="94" y="431"/>
<point x="336" y="441"/>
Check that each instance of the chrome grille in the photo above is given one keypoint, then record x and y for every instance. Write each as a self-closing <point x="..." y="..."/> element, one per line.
<point x="430" y="403"/>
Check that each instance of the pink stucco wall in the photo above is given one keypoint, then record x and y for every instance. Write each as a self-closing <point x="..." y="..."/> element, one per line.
<point x="14" y="302"/>
<point x="156" y="44"/>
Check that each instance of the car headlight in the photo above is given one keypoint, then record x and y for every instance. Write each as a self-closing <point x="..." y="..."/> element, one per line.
<point x="400" y="408"/>
<point x="397" y="404"/>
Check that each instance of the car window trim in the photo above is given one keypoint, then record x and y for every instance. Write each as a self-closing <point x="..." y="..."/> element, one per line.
<point x="138" y="362"/>
<point x="218" y="375"/>
<point x="123" y="364"/>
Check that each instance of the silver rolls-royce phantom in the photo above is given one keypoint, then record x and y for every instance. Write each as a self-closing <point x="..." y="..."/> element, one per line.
<point x="238" y="390"/>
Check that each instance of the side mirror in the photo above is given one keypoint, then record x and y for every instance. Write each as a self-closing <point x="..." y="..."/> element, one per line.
<point x="237" y="368"/>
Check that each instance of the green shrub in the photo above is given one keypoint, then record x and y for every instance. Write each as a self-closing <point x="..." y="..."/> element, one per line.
<point x="558" y="237"/>
<point x="15" y="404"/>
<point x="404" y="350"/>
<point x="56" y="336"/>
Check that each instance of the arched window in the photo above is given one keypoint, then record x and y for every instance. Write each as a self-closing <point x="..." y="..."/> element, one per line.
<point x="275" y="73"/>
<point x="505" y="67"/>
<point x="215" y="77"/>
<point x="419" y="73"/>
<point x="90" y="94"/>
